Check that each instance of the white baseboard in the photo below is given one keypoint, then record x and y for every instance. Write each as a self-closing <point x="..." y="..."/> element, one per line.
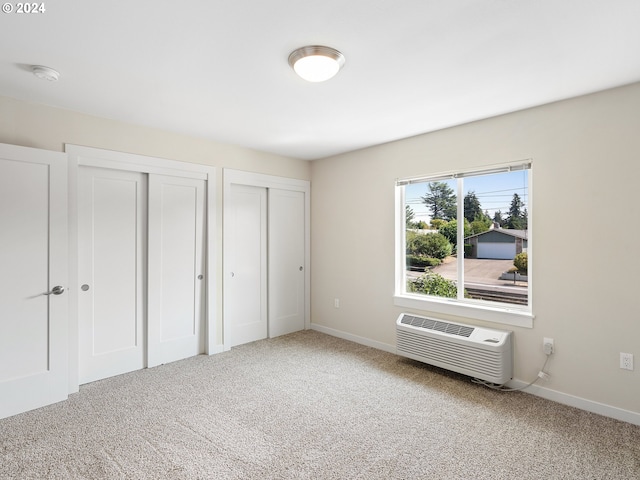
<point x="354" y="338"/>
<point x="564" y="398"/>
<point x="578" y="402"/>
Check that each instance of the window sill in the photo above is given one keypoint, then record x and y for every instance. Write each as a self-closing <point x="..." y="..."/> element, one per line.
<point x="505" y="316"/>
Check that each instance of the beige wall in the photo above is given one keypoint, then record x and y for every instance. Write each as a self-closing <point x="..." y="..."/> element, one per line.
<point x="586" y="222"/>
<point x="49" y="128"/>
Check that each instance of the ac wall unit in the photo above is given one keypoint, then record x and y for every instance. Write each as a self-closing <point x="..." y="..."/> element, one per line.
<point x="481" y="353"/>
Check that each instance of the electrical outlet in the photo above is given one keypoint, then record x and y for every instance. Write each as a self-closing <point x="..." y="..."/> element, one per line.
<point x="547" y="346"/>
<point x="626" y="361"/>
<point x="336" y="302"/>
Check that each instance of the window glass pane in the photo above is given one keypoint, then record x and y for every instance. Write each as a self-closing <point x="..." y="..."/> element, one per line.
<point x="496" y="231"/>
<point x="492" y="260"/>
<point x="431" y="237"/>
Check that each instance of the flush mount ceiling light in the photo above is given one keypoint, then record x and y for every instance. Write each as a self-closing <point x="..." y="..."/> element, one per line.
<point x="45" y="73"/>
<point x="316" y="63"/>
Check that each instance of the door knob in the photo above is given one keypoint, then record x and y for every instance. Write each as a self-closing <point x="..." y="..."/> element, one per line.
<point x="57" y="290"/>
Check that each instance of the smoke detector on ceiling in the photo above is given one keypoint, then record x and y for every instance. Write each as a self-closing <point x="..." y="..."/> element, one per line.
<point x="45" y="73"/>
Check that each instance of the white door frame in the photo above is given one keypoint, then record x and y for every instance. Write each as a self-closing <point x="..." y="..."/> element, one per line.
<point x="79" y="156"/>
<point x="239" y="177"/>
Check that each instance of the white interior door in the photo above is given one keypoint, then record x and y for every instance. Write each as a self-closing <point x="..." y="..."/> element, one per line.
<point x="245" y="269"/>
<point x="286" y="261"/>
<point x="111" y="271"/>
<point x="176" y="268"/>
<point x="33" y="261"/>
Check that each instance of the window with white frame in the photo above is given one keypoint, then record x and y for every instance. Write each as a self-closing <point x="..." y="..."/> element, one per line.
<point x="464" y="242"/>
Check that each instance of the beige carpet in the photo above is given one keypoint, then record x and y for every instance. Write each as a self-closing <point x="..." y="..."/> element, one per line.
<point x="310" y="406"/>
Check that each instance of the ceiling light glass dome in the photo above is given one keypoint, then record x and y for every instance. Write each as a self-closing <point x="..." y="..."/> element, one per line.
<point x="316" y="63"/>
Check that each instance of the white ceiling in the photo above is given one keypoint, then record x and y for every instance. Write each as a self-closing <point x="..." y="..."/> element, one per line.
<point x="218" y="68"/>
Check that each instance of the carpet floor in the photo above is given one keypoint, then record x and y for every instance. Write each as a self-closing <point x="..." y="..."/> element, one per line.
<point x="310" y="406"/>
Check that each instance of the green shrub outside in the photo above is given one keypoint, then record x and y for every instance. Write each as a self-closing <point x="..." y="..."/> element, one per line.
<point x="432" y="262"/>
<point x="450" y="230"/>
<point x="419" y="261"/>
<point x="433" y="284"/>
<point x="433" y="245"/>
<point x="521" y="262"/>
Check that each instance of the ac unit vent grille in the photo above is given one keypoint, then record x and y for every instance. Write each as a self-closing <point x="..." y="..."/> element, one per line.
<point x="460" y="358"/>
<point x="431" y="324"/>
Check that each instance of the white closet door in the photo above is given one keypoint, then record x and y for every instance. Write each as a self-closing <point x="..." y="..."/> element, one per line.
<point x="245" y="269"/>
<point x="176" y="268"/>
<point x="111" y="258"/>
<point x="286" y="262"/>
<point x="33" y="260"/>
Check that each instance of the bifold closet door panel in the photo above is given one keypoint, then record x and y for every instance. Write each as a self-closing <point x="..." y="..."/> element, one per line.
<point x="176" y="270"/>
<point x="245" y="265"/>
<point x="286" y="261"/>
<point x="112" y="206"/>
